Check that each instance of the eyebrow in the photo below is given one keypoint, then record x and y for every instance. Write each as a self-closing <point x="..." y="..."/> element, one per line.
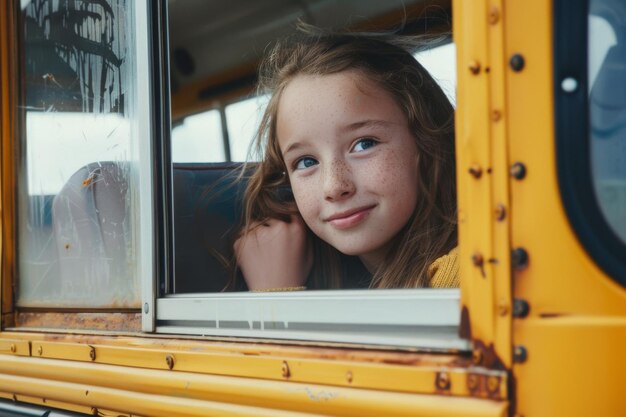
<point x="365" y="123"/>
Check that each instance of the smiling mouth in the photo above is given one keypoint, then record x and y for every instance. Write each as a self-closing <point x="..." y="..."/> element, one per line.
<point x="350" y="218"/>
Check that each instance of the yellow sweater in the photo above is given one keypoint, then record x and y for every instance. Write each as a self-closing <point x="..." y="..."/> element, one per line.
<point x="444" y="272"/>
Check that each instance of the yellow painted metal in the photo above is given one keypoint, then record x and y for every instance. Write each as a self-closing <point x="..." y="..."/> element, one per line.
<point x="15" y="347"/>
<point x="482" y="176"/>
<point x="376" y="376"/>
<point x="575" y="334"/>
<point x="161" y="392"/>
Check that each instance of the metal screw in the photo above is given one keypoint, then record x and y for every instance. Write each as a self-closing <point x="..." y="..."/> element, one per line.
<point x="474" y="67"/>
<point x="40" y="350"/>
<point x="518" y="171"/>
<point x="443" y="380"/>
<point x="285" y="369"/>
<point x="494" y="15"/>
<point x="475" y="171"/>
<point x="13" y="348"/>
<point x="503" y="308"/>
<point x="493" y="383"/>
<point x="496" y="115"/>
<point x="472" y="382"/>
<point x="519" y="259"/>
<point x="521" y="308"/>
<point x="520" y="354"/>
<point x="517" y="62"/>
<point x="169" y="359"/>
<point x="349" y="377"/>
<point x="477" y="356"/>
<point x="92" y="353"/>
<point x="500" y="212"/>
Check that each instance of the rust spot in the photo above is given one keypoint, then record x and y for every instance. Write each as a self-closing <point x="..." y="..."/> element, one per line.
<point x="88" y="181"/>
<point x="442" y="381"/>
<point x="484" y="386"/>
<point x="123" y="322"/>
<point x="67" y="246"/>
<point x="349" y="377"/>
<point x="169" y="360"/>
<point x="465" y="328"/>
<point x="474" y="67"/>
<point x="491" y="359"/>
<point x="285" y="370"/>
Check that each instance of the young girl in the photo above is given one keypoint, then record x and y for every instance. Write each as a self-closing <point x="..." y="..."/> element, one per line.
<point x="365" y="139"/>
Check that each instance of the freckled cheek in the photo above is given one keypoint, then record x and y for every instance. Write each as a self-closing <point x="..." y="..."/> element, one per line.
<point x="306" y="200"/>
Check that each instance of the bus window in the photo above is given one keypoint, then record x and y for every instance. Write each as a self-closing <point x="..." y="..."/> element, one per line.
<point x="198" y="138"/>
<point x="80" y="142"/>
<point x="214" y="73"/>
<point x="590" y="121"/>
<point x="607" y="112"/>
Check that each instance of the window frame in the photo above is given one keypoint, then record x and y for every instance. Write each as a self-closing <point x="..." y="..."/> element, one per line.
<point x="571" y="116"/>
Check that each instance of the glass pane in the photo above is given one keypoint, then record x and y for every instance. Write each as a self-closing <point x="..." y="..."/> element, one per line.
<point x="77" y="191"/>
<point x="243" y="119"/>
<point x="441" y="64"/>
<point x="199" y="139"/>
<point x="607" y="111"/>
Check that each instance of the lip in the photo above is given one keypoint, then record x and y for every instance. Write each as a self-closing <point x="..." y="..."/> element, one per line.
<point x="350" y="218"/>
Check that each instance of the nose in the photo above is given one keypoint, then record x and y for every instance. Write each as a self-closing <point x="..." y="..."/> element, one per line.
<point x="338" y="181"/>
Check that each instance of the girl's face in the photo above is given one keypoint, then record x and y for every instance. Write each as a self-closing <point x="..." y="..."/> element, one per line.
<point x="351" y="159"/>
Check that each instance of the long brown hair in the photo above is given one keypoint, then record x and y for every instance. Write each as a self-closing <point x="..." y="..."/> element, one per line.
<point x="431" y="232"/>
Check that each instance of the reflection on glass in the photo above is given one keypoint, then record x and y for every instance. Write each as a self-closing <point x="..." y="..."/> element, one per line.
<point x="77" y="192"/>
<point x="607" y="109"/>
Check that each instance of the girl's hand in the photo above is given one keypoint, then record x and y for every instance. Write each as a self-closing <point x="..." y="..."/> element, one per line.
<point x="275" y="254"/>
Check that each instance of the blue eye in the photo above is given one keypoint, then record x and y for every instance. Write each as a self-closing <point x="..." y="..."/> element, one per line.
<point x="305" y="162"/>
<point x="364" y="144"/>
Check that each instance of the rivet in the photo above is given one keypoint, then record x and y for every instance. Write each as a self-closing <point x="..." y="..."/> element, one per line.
<point x="496" y="115"/>
<point x="443" y="380"/>
<point x="92" y="353"/>
<point x="285" y="369"/>
<point x="519" y="259"/>
<point x="518" y="170"/>
<point x="169" y="359"/>
<point x="500" y="212"/>
<point x="472" y="382"/>
<point x="517" y="62"/>
<point x="521" y="308"/>
<point x="349" y="377"/>
<point x="474" y="67"/>
<point x="40" y="350"/>
<point x="493" y="383"/>
<point x="475" y="171"/>
<point x="503" y="308"/>
<point x="520" y="355"/>
<point x="477" y="259"/>
<point x="13" y="348"/>
<point x="494" y="15"/>
<point x="477" y="356"/>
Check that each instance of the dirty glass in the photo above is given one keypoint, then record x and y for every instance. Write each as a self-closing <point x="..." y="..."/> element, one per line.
<point x="77" y="180"/>
<point x="607" y="109"/>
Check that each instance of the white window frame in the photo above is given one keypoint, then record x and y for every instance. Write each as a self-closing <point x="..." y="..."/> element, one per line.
<point x="420" y="318"/>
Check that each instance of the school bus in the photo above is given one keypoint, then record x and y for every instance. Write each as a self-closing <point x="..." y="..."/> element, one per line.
<point x="112" y="247"/>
